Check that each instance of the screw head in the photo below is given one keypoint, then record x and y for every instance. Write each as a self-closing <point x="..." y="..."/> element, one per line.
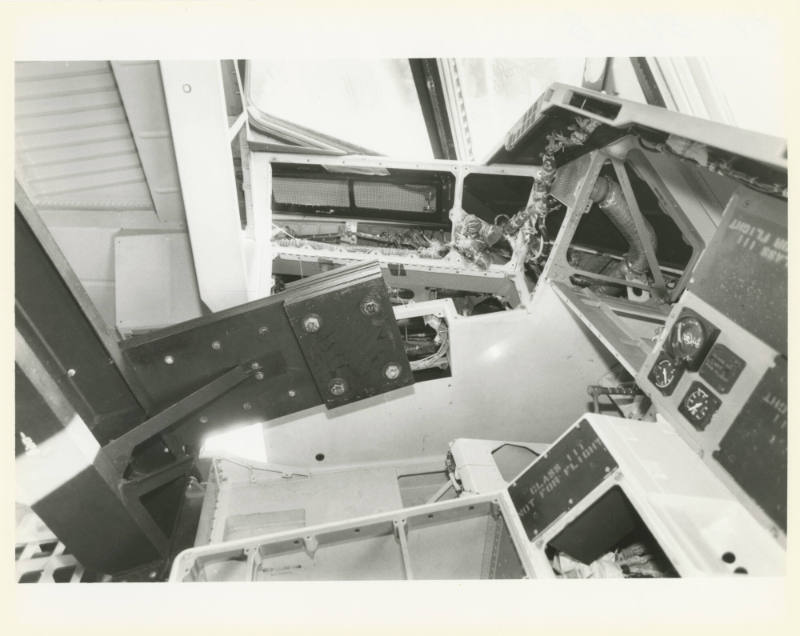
<point x="311" y="323"/>
<point x="370" y="306"/>
<point x="169" y="360"/>
<point x="259" y="376"/>
<point x="263" y="330"/>
<point x="216" y="345"/>
<point x="337" y="386"/>
<point x="247" y="406"/>
<point x="255" y="366"/>
<point x="187" y="88"/>
<point x="392" y="371"/>
<point x="71" y="373"/>
<point x="292" y="392"/>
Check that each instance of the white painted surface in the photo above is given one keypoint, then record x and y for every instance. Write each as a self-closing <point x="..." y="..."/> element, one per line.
<point x="199" y="121"/>
<point x="325" y="497"/>
<point x="155" y="281"/>
<point x="692" y="515"/>
<point x="258" y="174"/>
<point x="54" y="462"/>
<point x="515" y="375"/>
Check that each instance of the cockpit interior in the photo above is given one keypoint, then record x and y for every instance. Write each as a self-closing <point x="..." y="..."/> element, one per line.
<point x="440" y="319"/>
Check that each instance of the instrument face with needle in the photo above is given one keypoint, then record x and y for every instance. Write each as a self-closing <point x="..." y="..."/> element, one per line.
<point x="699" y="405"/>
<point x="665" y="373"/>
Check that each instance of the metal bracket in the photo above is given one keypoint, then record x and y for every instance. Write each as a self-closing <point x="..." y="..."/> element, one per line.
<point x="120" y="449"/>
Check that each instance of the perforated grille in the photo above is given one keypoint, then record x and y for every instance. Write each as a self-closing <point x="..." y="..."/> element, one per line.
<point x="317" y="192"/>
<point x="389" y="196"/>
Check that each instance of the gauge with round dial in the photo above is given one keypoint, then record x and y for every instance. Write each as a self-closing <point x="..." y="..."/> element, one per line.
<point x="699" y="405"/>
<point x="690" y="339"/>
<point x="665" y="373"/>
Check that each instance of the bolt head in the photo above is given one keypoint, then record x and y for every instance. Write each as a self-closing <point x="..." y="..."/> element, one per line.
<point x="292" y="392"/>
<point x="71" y="373"/>
<point x="255" y="366"/>
<point x="337" y="386"/>
<point x="203" y="419"/>
<point x="259" y="376"/>
<point x="263" y="330"/>
<point x="247" y="406"/>
<point x="370" y="307"/>
<point x="392" y="371"/>
<point x="216" y="345"/>
<point x="169" y="360"/>
<point x="311" y="323"/>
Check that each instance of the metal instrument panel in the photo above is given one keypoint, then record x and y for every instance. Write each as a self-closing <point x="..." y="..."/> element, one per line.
<point x="351" y="342"/>
<point x="747" y="259"/>
<point x="560" y="478"/>
<point x="754" y="448"/>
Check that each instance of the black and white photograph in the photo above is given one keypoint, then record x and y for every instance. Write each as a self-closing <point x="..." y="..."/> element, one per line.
<point x="348" y="318"/>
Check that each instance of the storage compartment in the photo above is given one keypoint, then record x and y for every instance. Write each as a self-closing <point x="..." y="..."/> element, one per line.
<point x="609" y="540"/>
<point x="470" y="542"/>
<point x="452" y="540"/>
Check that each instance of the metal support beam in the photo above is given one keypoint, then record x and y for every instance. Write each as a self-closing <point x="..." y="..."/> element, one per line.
<point x="200" y="130"/>
<point x="257" y="172"/>
<point x="647" y="81"/>
<point x="120" y="450"/>
<point x="140" y="87"/>
<point x="660" y="287"/>
<point x="401" y="532"/>
<point x="107" y="337"/>
<point x="456" y="110"/>
<point x="430" y="92"/>
<point x="70" y="483"/>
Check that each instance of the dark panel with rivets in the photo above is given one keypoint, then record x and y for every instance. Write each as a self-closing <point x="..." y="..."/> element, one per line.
<point x="176" y="361"/>
<point x="559" y="478"/>
<point x="350" y="340"/>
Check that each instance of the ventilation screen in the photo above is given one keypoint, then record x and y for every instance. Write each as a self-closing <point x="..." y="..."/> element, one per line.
<point x="389" y="196"/>
<point x="316" y="192"/>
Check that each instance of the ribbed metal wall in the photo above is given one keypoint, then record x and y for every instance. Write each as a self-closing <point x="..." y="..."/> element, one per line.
<point x="75" y="149"/>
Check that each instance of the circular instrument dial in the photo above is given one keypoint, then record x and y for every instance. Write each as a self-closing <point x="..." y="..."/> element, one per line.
<point x="688" y="338"/>
<point x="664" y="373"/>
<point x="697" y="404"/>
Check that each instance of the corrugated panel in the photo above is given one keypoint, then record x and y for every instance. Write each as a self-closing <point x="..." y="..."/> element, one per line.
<point x="74" y="145"/>
<point x="140" y="86"/>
